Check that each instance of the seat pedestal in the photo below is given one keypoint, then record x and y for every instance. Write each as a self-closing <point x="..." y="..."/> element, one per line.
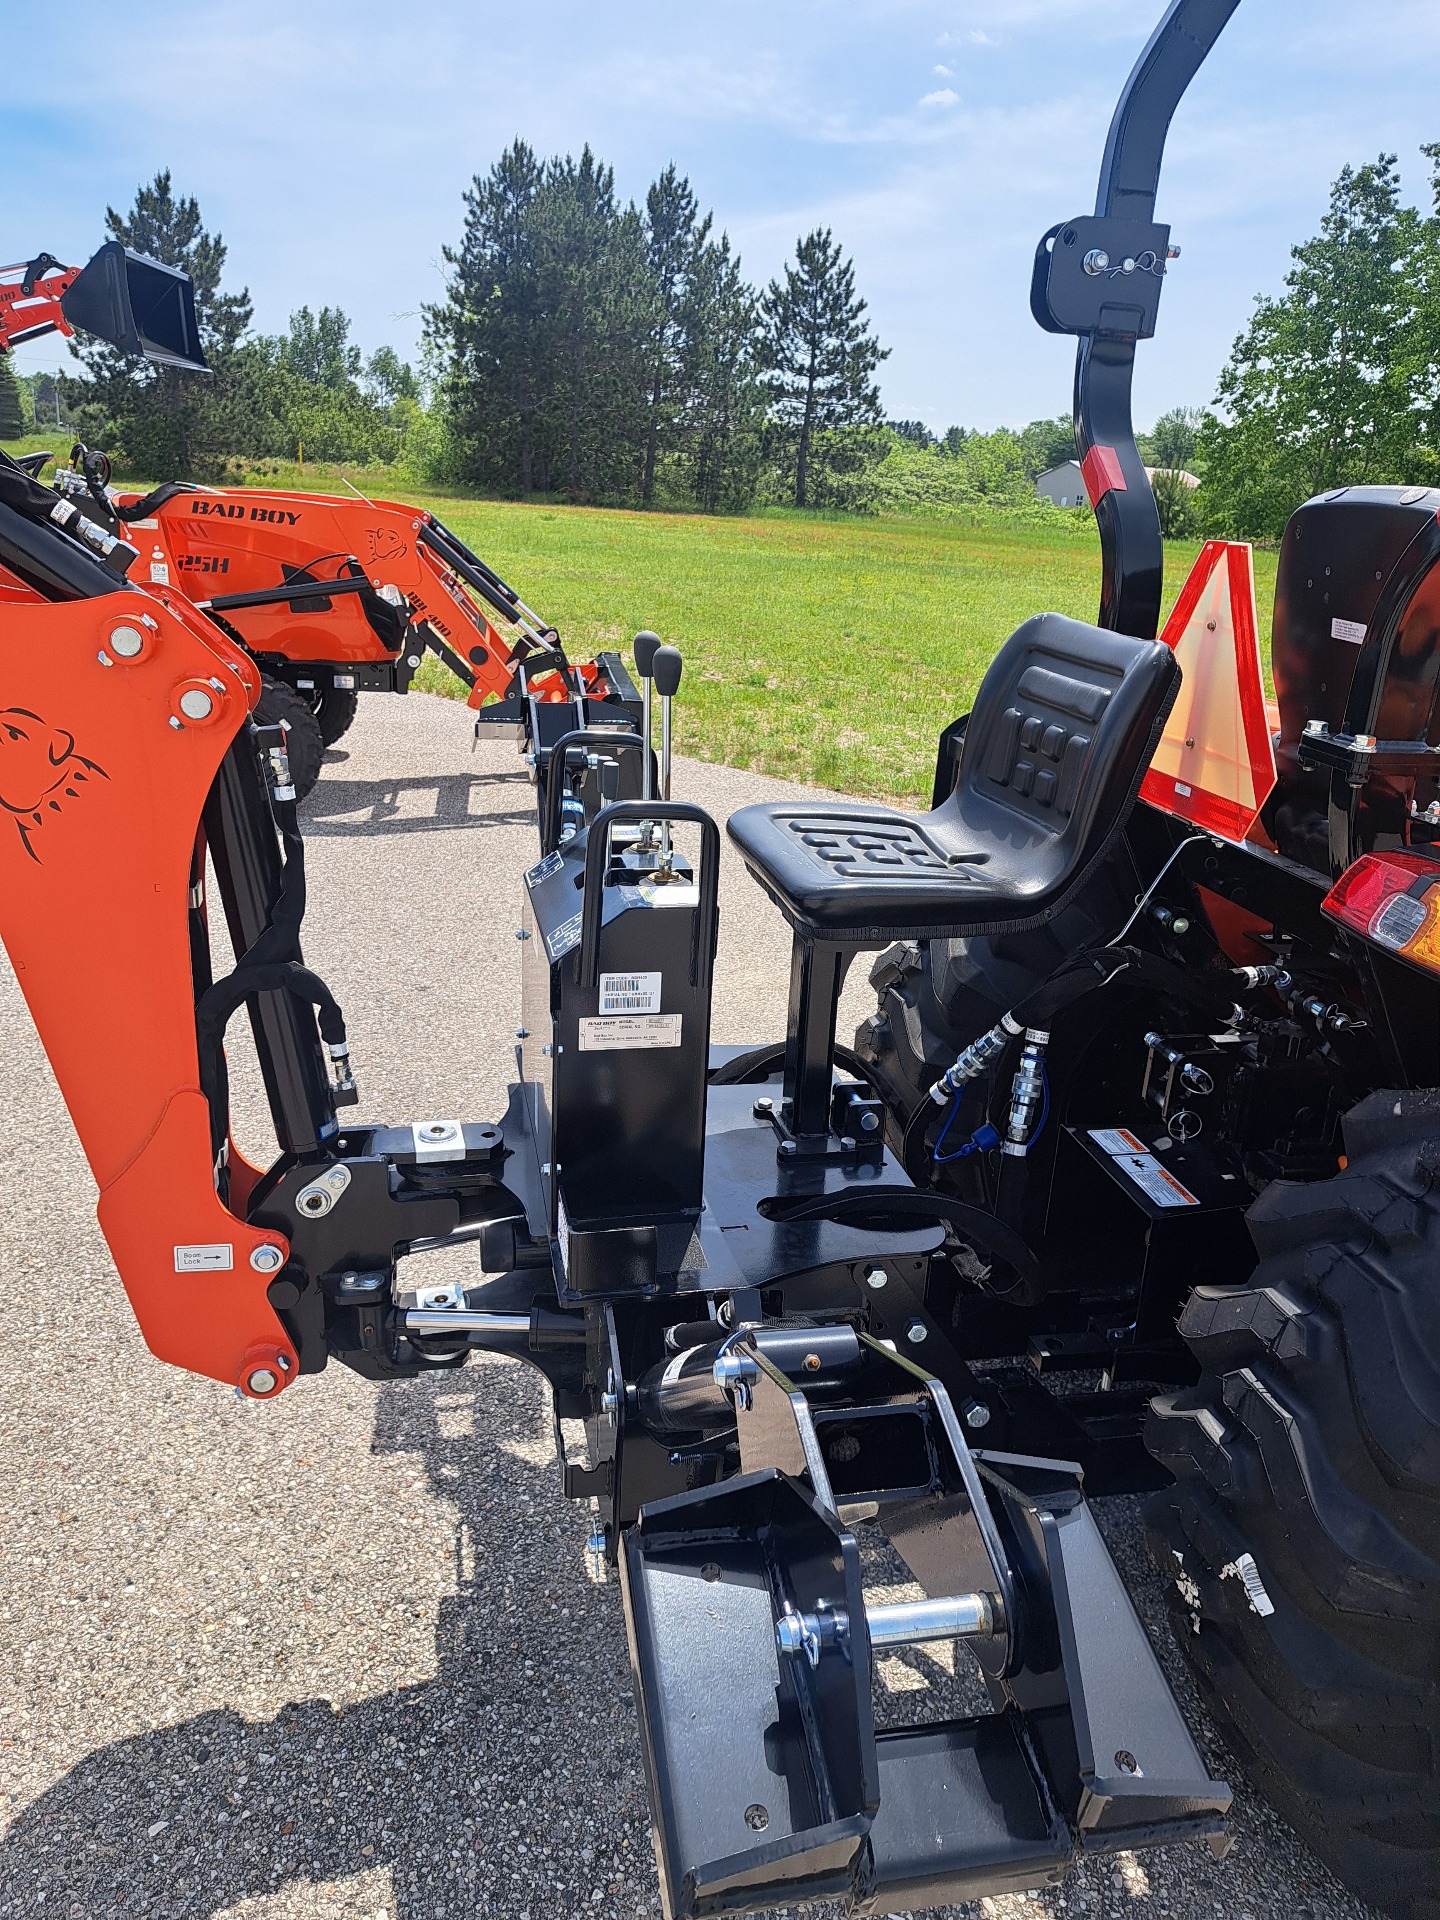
<point x="817" y="973"/>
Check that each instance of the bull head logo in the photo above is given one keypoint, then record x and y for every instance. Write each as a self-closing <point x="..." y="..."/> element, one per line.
<point x="39" y="771"/>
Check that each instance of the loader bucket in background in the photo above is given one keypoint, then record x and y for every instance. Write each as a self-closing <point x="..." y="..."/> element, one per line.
<point x="137" y="305"/>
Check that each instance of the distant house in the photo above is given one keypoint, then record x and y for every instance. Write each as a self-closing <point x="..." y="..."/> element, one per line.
<point x="1065" y="486"/>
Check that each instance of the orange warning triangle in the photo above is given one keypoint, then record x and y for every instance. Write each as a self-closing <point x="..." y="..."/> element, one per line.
<point x="1215" y="764"/>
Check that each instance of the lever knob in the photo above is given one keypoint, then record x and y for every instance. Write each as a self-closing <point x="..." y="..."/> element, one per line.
<point x="646" y="646"/>
<point x="666" y="664"/>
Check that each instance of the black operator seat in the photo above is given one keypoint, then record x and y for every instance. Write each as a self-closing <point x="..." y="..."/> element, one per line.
<point x="1057" y="744"/>
<point x="1059" y="738"/>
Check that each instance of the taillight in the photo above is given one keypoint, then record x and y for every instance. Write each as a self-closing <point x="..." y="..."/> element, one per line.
<point x="1394" y="900"/>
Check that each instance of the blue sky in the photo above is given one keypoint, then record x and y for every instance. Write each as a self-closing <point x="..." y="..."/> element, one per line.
<point x="330" y="142"/>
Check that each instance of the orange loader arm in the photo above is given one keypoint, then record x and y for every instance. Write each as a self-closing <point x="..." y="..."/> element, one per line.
<point x="119" y="711"/>
<point x="221" y="546"/>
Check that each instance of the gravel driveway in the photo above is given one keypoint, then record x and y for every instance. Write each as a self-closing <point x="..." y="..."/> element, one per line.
<point x="340" y="1656"/>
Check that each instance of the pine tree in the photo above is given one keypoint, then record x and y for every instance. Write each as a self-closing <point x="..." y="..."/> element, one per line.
<point x="726" y="412"/>
<point x="675" y="238"/>
<point x="12" y="409"/>
<point x="820" y="352"/>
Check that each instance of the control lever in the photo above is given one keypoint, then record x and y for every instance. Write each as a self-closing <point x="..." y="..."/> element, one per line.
<point x="666" y="666"/>
<point x="646" y="646"/>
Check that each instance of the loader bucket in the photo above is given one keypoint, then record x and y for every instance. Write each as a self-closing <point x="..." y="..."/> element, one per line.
<point x="137" y="305"/>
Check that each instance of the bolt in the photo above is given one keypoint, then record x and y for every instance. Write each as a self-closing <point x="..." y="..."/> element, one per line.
<point x="877" y="1278"/>
<point x="127" y="641"/>
<point x="267" y="1259"/>
<point x="916" y="1332"/>
<point x="610" y="1399"/>
<point x="763" y="1106"/>
<point x="1097" y="261"/>
<point x="977" y="1414"/>
<point x="869" y="1122"/>
<point x="196" y="704"/>
<point x="787" y="1149"/>
<point x="262" y="1381"/>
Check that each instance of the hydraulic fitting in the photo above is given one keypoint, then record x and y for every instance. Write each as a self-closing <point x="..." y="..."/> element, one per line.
<point x="976" y="1058"/>
<point x="1027" y="1093"/>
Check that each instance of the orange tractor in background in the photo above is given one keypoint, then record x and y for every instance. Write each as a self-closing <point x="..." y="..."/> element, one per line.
<point x="331" y="597"/>
<point x="335" y="597"/>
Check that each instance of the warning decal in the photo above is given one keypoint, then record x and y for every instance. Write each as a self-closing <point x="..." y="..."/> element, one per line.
<point x="1137" y="1163"/>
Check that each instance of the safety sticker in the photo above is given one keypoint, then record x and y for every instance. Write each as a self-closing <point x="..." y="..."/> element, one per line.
<point x="561" y="939"/>
<point x="1155" y="1181"/>
<point x="625" y="1032"/>
<point x="1352" y="630"/>
<point x="1116" y="1140"/>
<point x="630" y="992"/>
<point x="219" y="1258"/>
<point x="552" y="863"/>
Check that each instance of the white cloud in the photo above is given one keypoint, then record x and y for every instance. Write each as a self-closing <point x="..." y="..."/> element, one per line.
<point x="946" y="73"/>
<point x="942" y="97"/>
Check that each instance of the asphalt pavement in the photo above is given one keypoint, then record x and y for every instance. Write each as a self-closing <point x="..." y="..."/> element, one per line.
<point x="340" y="1657"/>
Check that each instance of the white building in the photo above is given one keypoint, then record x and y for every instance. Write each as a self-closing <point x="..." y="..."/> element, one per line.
<point x="1064" y="485"/>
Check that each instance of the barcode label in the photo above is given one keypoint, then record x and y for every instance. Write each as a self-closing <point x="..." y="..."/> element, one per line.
<point x="630" y="992"/>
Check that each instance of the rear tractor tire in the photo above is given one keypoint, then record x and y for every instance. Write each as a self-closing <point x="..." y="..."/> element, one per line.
<point x="1301" y="1539"/>
<point x="304" y="741"/>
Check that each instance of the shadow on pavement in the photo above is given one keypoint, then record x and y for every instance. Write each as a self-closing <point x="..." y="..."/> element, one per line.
<point x="420" y="803"/>
<point x="507" y="1784"/>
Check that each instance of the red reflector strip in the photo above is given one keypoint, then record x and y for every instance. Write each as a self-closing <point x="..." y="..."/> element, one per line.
<point x="1100" y="470"/>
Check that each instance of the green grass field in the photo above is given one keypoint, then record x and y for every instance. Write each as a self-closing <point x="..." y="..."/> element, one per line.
<point x="823" y="648"/>
<point x="830" y="650"/>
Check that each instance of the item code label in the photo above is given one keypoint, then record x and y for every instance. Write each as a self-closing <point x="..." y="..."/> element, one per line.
<point x="623" y="1032"/>
<point x="630" y="992"/>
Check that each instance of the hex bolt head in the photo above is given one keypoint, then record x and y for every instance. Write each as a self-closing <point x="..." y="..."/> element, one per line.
<point x="916" y="1332"/>
<point x="196" y="703"/>
<point x="876" y="1278"/>
<point x="266" y="1259"/>
<point x="262" y="1381"/>
<point x="127" y="642"/>
<point x="977" y="1414"/>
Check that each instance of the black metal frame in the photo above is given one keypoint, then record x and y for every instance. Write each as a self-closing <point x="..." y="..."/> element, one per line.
<point x="1112" y="306"/>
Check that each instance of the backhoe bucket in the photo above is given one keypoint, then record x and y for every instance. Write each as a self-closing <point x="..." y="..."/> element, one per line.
<point x="137" y="305"/>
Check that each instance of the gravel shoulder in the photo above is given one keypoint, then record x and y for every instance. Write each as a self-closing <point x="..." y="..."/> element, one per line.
<point x="339" y="1658"/>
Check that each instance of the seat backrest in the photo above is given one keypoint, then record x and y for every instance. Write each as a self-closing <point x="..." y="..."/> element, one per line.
<point x="1058" y="741"/>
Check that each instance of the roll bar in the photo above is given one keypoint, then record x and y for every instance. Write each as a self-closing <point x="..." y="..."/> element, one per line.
<point x="1100" y="276"/>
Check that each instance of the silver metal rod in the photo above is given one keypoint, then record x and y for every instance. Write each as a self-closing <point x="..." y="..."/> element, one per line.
<point x="665" y="776"/>
<point x="647" y="728"/>
<point x="433" y="1320"/>
<point x="911" y="1623"/>
<point x="958" y="1616"/>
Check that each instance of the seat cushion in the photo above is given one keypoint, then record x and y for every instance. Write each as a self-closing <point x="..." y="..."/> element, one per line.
<point x="1062" y="731"/>
<point x="840" y="865"/>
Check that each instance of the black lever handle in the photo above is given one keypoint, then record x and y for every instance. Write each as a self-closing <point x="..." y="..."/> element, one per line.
<point x="666" y="666"/>
<point x="645" y="647"/>
<point x="597" y="855"/>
